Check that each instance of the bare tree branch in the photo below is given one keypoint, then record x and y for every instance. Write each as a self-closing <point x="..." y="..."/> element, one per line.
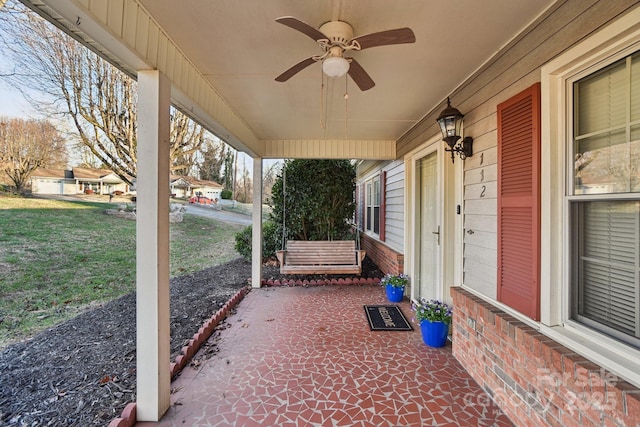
<point x="66" y="79"/>
<point x="26" y="145"/>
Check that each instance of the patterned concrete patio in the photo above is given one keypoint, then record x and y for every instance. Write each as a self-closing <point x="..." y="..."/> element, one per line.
<point x="296" y="356"/>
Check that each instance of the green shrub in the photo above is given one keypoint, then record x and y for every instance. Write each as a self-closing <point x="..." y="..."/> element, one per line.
<point x="226" y="194"/>
<point x="316" y="196"/>
<point x="270" y="241"/>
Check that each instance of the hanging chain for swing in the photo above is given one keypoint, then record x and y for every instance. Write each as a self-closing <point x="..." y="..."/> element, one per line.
<point x="284" y="206"/>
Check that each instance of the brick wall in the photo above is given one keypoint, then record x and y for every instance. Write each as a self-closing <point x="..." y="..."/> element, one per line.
<point x="388" y="260"/>
<point x="535" y="380"/>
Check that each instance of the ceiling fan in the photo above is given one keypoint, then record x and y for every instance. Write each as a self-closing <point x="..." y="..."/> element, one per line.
<point x="335" y="38"/>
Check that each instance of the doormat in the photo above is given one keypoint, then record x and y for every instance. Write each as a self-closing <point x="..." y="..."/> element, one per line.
<point x="386" y="318"/>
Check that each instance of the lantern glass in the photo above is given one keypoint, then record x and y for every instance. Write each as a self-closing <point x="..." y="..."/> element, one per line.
<point x="450" y="121"/>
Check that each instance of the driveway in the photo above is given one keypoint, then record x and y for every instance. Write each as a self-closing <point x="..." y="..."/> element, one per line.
<point x="219" y="215"/>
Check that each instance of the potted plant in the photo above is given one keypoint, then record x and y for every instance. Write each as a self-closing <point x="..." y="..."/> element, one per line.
<point x="394" y="286"/>
<point x="434" y="317"/>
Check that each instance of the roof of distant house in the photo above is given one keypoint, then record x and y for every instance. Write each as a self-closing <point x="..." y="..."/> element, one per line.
<point x="196" y="182"/>
<point x="52" y="173"/>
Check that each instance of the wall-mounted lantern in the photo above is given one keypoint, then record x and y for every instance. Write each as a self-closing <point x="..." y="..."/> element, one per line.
<point x="450" y="121"/>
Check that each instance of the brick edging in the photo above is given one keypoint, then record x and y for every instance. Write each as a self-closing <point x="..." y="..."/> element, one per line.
<point x="128" y="416"/>
<point x="321" y="282"/>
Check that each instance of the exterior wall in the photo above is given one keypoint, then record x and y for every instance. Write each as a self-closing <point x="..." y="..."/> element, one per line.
<point x="387" y="259"/>
<point x="535" y="380"/>
<point x="388" y="255"/>
<point x="52" y="186"/>
<point x="394" y="213"/>
<point x="46" y="186"/>
<point x="515" y="68"/>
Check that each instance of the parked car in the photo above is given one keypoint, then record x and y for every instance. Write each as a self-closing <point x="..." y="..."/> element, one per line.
<point x="203" y="200"/>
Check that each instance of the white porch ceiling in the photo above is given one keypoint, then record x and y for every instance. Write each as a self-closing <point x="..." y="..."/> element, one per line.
<point x="239" y="49"/>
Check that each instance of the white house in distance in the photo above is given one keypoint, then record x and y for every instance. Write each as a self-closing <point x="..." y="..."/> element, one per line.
<point x="76" y="181"/>
<point x="186" y="186"/>
<point x="103" y="181"/>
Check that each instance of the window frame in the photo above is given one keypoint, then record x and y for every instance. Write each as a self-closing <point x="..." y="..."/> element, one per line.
<point x="576" y="200"/>
<point x="371" y="204"/>
<point x="618" y="39"/>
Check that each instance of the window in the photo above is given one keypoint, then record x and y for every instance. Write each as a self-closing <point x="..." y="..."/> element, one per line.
<point x="372" y="215"/>
<point x="604" y="200"/>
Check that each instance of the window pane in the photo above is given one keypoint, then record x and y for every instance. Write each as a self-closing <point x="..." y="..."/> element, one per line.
<point x="601" y="99"/>
<point x="607" y="278"/>
<point x="369" y="206"/>
<point x="606" y="150"/>
<point x="376" y="220"/>
<point x="635" y="88"/>
<point x="602" y="164"/>
<point x="376" y="192"/>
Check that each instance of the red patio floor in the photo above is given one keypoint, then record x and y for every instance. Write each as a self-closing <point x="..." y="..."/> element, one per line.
<point x="296" y="356"/>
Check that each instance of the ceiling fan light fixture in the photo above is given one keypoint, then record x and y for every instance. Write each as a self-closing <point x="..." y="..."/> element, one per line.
<point x="335" y="66"/>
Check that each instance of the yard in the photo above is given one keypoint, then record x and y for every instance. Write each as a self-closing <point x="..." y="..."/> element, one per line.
<point x="58" y="258"/>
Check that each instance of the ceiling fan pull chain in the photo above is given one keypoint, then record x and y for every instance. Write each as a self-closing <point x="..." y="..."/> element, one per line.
<point x="322" y="117"/>
<point x="346" y="102"/>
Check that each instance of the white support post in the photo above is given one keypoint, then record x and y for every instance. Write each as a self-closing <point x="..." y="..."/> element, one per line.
<point x="256" y="241"/>
<point x="152" y="246"/>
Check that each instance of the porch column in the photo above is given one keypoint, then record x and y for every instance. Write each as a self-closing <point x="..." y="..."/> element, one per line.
<point x="256" y="241"/>
<point x="152" y="246"/>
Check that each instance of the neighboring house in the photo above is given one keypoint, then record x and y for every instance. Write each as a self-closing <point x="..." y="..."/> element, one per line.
<point x="52" y="181"/>
<point x="100" y="181"/>
<point x="186" y="186"/>
<point x="76" y="181"/>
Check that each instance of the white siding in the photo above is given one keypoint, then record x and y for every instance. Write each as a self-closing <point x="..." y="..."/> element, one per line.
<point x="394" y="218"/>
<point x="394" y="214"/>
<point x="512" y="70"/>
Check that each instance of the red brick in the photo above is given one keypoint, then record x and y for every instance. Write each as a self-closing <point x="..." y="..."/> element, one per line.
<point x="586" y="421"/>
<point x="632" y="407"/>
<point x="608" y="422"/>
<point x="571" y="420"/>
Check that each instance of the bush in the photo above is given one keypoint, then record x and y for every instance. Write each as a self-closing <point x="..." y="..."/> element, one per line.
<point x="270" y="241"/>
<point x="226" y="194"/>
<point x="316" y="196"/>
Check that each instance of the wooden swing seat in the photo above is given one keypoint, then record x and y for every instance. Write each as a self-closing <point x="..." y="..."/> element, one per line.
<point x="320" y="257"/>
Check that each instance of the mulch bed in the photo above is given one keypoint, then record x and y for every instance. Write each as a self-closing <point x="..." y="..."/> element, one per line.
<point x="83" y="371"/>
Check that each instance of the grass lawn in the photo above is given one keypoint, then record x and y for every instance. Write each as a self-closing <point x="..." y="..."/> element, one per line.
<point x="57" y="258"/>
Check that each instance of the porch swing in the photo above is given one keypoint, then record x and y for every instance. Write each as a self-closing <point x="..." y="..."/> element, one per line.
<point x="317" y="256"/>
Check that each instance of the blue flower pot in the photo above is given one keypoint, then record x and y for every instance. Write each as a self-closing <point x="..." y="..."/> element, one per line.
<point x="394" y="294"/>
<point x="434" y="334"/>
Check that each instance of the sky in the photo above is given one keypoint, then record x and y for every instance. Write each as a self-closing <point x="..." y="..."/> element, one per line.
<point x="13" y="104"/>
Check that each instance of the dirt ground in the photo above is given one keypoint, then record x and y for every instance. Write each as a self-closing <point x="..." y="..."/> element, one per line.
<point x="83" y="372"/>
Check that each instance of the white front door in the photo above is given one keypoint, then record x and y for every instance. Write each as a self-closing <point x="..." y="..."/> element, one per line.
<point x="428" y="222"/>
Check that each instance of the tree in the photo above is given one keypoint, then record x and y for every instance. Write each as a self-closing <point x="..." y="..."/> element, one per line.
<point x="244" y="186"/>
<point x="214" y="154"/>
<point x="269" y="176"/>
<point x="26" y="145"/>
<point x="313" y="199"/>
<point x="64" y="78"/>
<point x="229" y="170"/>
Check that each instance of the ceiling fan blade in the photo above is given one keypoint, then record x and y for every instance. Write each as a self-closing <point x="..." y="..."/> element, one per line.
<point x="295" y="69"/>
<point x="303" y="27"/>
<point x="383" y="38"/>
<point x="360" y="76"/>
